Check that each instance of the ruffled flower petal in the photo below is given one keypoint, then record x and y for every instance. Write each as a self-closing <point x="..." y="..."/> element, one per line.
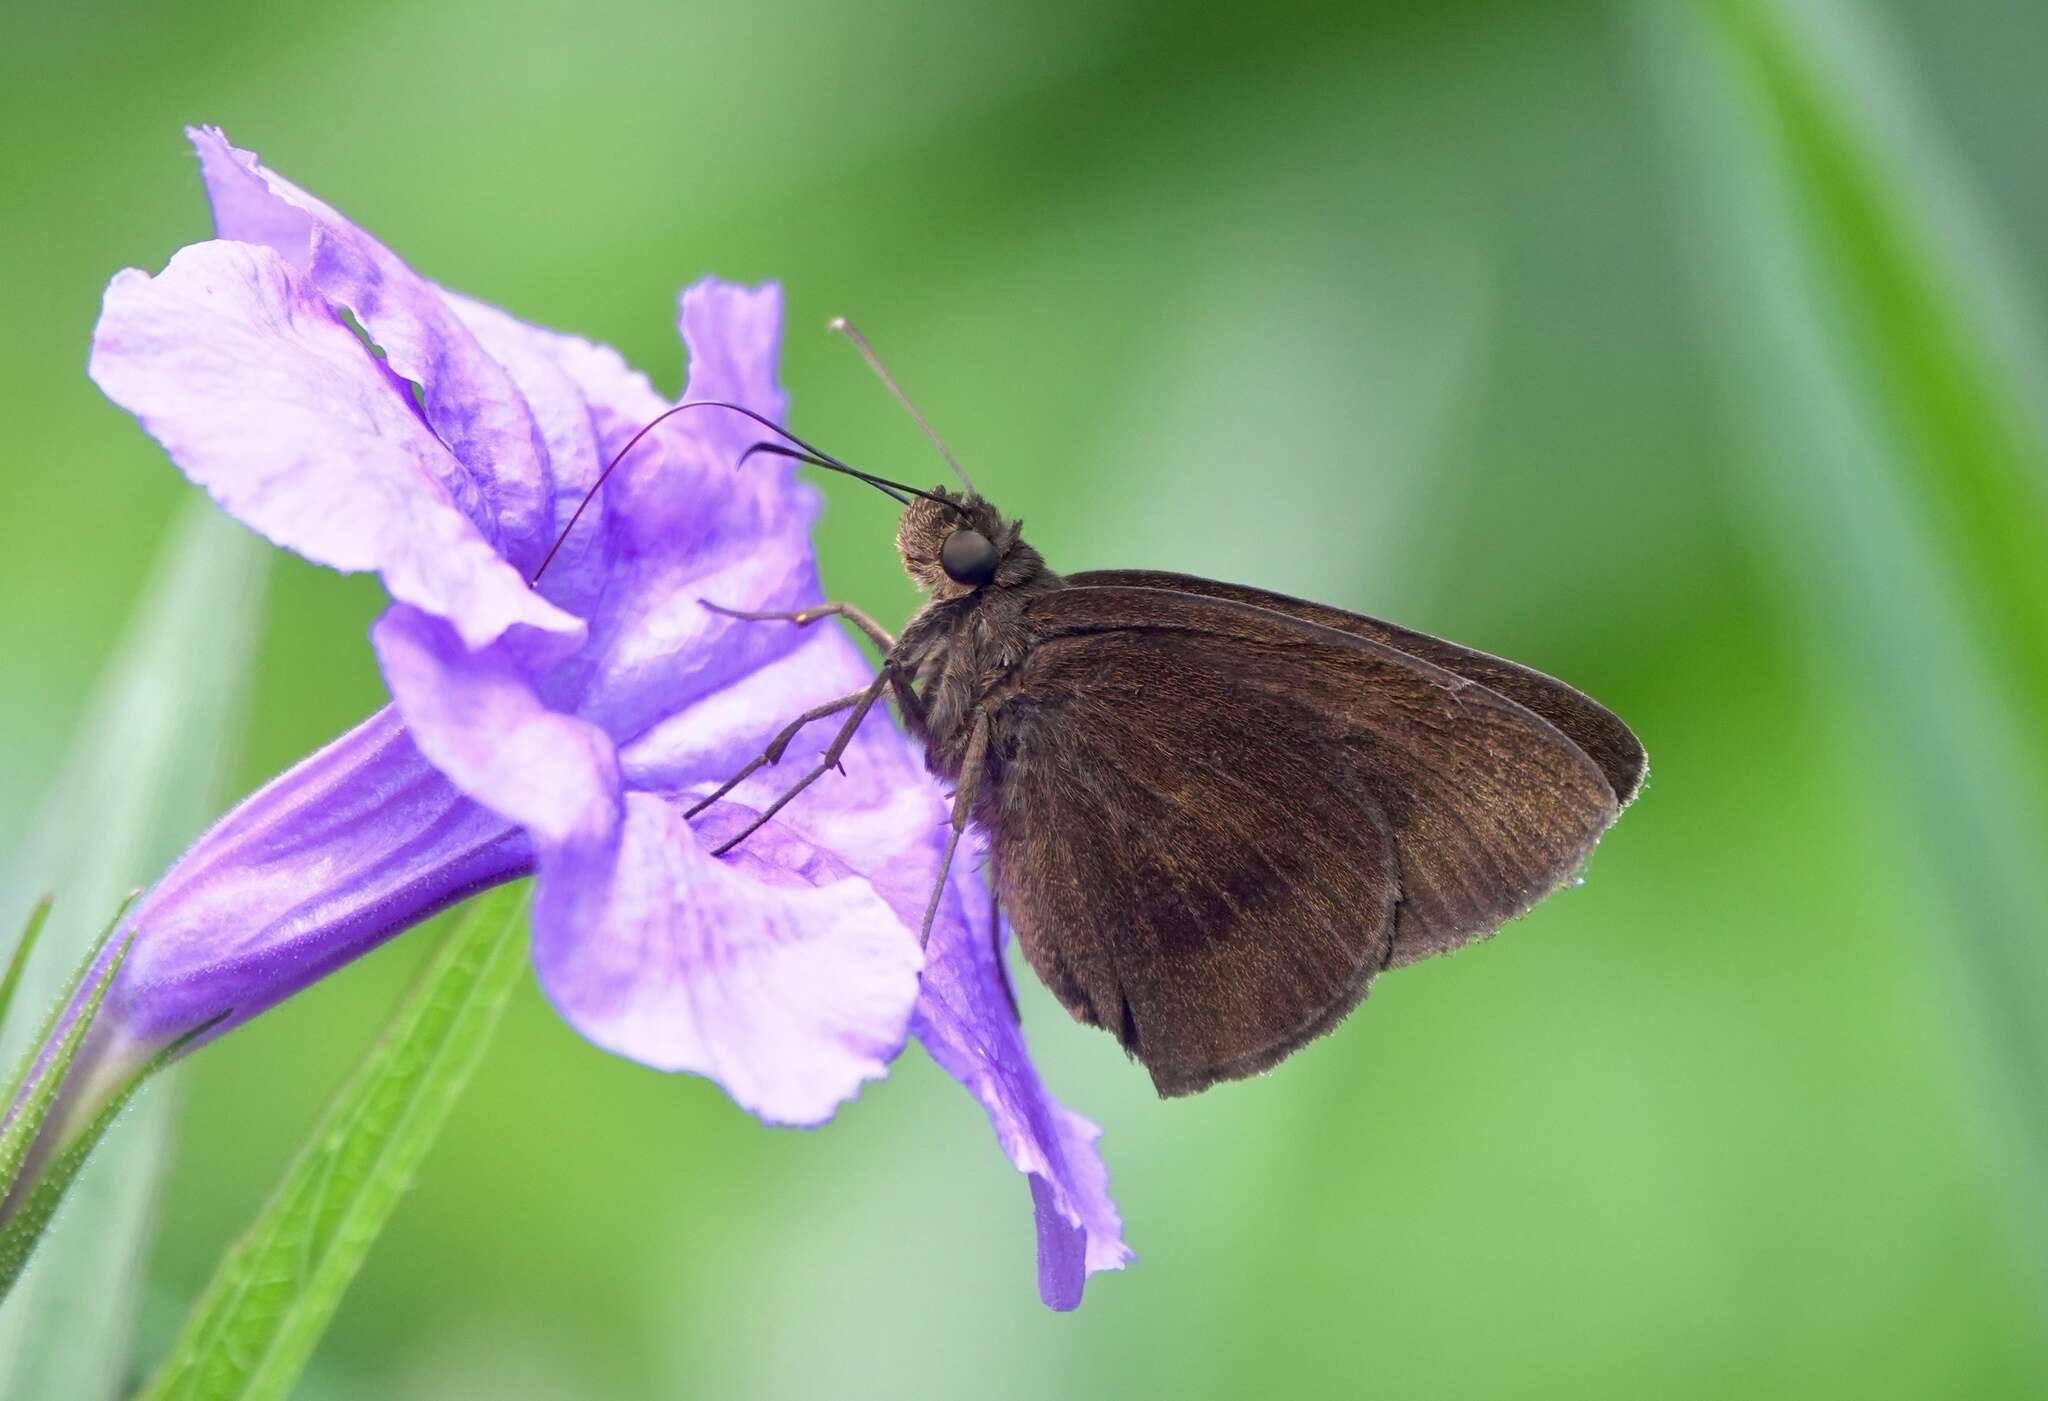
<point x="776" y="971"/>
<point x="477" y="718"/>
<point x="499" y="472"/>
<point x="273" y="406"/>
<point x="586" y="402"/>
<point x="655" y="648"/>
<point x="690" y="496"/>
<point x="879" y="810"/>
<point x="966" y="1021"/>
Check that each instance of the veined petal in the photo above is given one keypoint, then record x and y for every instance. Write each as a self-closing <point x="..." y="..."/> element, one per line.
<point x="498" y="470"/>
<point x="655" y="648"/>
<point x="733" y="335"/>
<point x="263" y="398"/>
<point x="879" y="810"/>
<point x="702" y="743"/>
<point x="587" y="402"/>
<point x="620" y="398"/>
<point x="689" y="496"/>
<point x="477" y="718"/>
<point x="965" y="1021"/>
<point x="776" y="971"/>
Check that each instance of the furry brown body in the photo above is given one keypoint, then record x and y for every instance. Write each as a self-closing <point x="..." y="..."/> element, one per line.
<point x="1215" y="814"/>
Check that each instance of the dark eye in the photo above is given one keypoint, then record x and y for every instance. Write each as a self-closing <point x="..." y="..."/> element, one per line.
<point x="968" y="557"/>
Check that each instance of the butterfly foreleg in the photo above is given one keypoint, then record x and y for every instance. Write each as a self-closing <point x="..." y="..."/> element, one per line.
<point x="906" y="695"/>
<point x="963" y="804"/>
<point x="995" y="951"/>
<point x="803" y="617"/>
<point x="862" y="701"/>
<point x="773" y="753"/>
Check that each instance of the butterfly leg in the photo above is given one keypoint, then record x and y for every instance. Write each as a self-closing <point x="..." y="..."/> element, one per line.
<point x="995" y="950"/>
<point x="773" y="753"/>
<point x="963" y="804"/>
<point x="906" y="696"/>
<point x="863" y="703"/>
<point x="803" y="617"/>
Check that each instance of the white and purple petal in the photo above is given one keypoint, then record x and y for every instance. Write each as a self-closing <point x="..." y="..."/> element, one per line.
<point x="477" y="717"/>
<point x="262" y="397"/>
<point x="688" y="525"/>
<point x="966" y="1020"/>
<point x="777" y="971"/>
<point x="497" y="464"/>
<point x="587" y="402"/>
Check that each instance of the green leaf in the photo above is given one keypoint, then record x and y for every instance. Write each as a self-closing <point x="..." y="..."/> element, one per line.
<point x="28" y="1118"/>
<point x="1918" y="327"/>
<point x="18" y="960"/>
<point x="252" y="1331"/>
<point x="1896" y="466"/>
<point x="30" y="1217"/>
<point x="144" y="775"/>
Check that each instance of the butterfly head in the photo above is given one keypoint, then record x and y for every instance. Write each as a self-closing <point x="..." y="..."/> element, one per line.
<point x="954" y="543"/>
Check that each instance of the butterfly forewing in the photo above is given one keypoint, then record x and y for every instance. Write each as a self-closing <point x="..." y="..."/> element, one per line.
<point x="1216" y="868"/>
<point x="1583" y="720"/>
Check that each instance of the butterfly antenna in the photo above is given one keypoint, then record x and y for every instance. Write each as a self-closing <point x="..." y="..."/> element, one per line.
<point x="846" y="328"/>
<point x="817" y="457"/>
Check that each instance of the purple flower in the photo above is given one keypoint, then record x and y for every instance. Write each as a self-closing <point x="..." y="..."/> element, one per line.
<point x="561" y="729"/>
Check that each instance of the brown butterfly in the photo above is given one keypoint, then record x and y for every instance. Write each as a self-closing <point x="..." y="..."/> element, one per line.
<point x="1215" y="813"/>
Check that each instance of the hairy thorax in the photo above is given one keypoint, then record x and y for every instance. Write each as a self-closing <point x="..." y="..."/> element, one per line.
<point x="959" y="654"/>
<point x="972" y="633"/>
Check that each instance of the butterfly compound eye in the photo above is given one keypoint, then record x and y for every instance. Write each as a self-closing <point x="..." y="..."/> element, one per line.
<point x="968" y="557"/>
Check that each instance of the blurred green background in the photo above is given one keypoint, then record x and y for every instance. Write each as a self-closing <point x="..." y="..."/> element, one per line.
<point x="1688" y="351"/>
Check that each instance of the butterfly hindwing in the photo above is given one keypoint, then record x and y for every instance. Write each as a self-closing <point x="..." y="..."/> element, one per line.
<point x="1215" y="869"/>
